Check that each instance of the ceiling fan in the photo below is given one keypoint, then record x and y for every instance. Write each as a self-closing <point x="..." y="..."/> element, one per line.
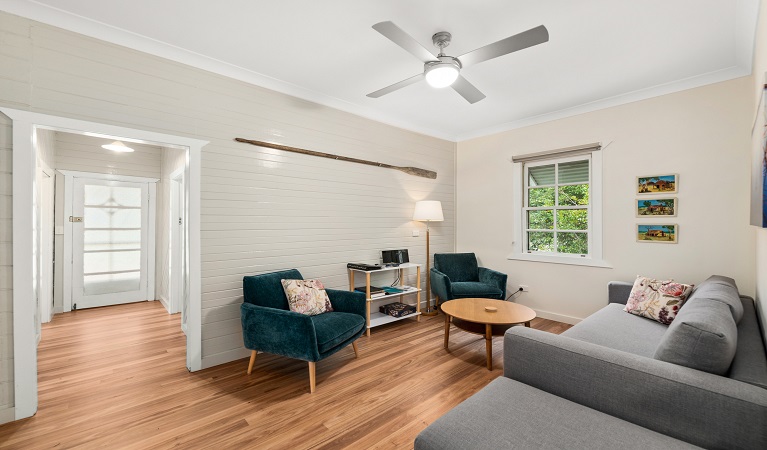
<point x="443" y="70"/>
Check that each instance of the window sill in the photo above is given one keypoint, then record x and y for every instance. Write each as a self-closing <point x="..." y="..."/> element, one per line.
<point x="570" y="260"/>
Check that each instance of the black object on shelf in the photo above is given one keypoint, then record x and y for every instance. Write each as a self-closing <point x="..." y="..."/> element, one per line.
<point x="363" y="266"/>
<point x="397" y="309"/>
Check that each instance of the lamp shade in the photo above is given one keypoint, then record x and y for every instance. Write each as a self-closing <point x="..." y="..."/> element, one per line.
<point x="428" y="210"/>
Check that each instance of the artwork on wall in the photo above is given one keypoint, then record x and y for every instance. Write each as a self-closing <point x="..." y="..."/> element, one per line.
<point x="660" y="207"/>
<point x="759" y="163"/>
<point x="657" y="184"/>
<point x="664" y="234"/>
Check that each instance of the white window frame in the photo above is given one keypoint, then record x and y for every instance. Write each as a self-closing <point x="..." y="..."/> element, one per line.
<point x="519" y="244"/>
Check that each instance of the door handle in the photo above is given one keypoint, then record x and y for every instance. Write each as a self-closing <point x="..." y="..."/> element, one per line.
<point x="75" y="219"/>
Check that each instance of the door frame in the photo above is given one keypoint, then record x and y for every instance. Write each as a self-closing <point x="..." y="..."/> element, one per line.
<point x="175" y="277"/>
<point x="47" y="229"/>
<point x="25" y="124"/>
<point x="69" y="180"/>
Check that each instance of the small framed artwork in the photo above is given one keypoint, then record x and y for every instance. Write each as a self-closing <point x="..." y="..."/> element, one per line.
<point x="663" y="234"/>
<point x="658" y="184"/>
<point x="660" y="207"/>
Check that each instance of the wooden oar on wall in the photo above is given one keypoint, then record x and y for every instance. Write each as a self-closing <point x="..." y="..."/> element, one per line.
<point x="408" y="170"/>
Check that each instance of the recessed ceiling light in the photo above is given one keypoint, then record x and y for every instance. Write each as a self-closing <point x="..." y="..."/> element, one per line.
<point x="117" y="146"/>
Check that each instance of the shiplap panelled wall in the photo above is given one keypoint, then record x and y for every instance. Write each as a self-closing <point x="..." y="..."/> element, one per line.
<point x="172" y="160"/>
<point x="262" y="209"/>
<point x="82" y="153"/>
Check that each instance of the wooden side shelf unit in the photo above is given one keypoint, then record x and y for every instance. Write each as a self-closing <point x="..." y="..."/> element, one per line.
<point x="376" y="318"/>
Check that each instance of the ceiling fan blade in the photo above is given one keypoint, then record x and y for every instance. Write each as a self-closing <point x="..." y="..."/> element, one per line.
<point x="404" y="40"/>
<point x="467" y="90"/>
<point x="395" y="86"/>
<point x="525" y="39"/>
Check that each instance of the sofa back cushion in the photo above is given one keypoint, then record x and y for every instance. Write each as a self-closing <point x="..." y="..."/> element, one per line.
<point x="703" y="336"/>
<point x="266" y="289"/>
<point x="457" y="266"/>
<point x="721" y="289"/>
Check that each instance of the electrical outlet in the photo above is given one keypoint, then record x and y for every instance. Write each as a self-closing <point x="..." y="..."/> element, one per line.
<point x="416" y="233"/>
<point x="524" y="288"/>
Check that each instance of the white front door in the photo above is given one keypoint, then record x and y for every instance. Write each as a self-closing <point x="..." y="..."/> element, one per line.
<point x="110" y="242"/>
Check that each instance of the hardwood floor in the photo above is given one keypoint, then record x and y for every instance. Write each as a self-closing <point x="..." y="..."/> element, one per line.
<point x="115" y="377"/>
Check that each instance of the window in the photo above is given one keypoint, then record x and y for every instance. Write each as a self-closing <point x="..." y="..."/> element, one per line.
<point x="558" y="214"/>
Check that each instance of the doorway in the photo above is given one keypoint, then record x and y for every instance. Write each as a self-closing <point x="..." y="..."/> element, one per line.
<point x="26" y="249"/>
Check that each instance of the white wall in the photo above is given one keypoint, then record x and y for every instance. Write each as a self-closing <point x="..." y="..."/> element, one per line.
<point x="262" y="210"/>
<point x="172" y="160"/>
<point x="758" y="79"/>
<point x="6" y="274"/>
<point x="701" y="134"/>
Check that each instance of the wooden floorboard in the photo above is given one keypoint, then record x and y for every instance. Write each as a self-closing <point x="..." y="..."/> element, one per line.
<point x="115" y="377"/>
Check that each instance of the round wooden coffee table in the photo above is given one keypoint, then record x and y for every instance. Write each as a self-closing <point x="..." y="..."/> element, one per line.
<point x="469" y="314"/>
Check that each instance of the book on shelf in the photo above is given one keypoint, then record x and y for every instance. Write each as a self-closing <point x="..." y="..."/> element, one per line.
<point x="375" y="291"/>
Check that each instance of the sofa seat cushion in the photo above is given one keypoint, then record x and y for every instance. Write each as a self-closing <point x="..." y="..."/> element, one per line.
<point x="721" y="289"/>
<point x="612" y="327"/>
<point x="335" y="328"/>
<point x="468" y="289"/>
<point x="703" y="337"/>
<point x="750" y="362"/>
<point x="507" y="414"/>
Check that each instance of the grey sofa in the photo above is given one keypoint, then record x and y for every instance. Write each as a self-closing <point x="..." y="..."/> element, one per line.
<point x="617" y="380"/>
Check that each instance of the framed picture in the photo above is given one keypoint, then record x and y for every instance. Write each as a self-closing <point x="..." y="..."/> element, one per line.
<point x="658" y="184"/>
<point x="662" y="234"/>
<point x="652" y="207"/>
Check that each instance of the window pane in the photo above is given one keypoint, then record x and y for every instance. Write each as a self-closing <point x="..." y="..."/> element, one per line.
<point x="97" y="195"/>
<point x="111" y="283"/>
<point x="540" y="220"/>
<point x="112" y="218"/>
<point x="576" y="243"/>
<point x="575" y="195"/>
<point x="111" y="261"/>
<point x="540" y="197"/>
<point x="574" y="172"/>
<point x="112" y="240"/>
<point x="540" y="175"/>
<point x="540" y="241"/>
<point x="572" y="219"/>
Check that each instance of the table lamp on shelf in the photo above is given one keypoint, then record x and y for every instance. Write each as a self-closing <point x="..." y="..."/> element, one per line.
<point x="428" y="211"/>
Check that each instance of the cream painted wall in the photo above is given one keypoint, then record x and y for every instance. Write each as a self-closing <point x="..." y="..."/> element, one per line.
<point x="6" y="274"/>
<point x="262" y="210"/>
<point x="701" y="134"/>
<point x="758" y="82"/>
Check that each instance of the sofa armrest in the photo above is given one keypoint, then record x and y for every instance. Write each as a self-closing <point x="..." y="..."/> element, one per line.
<point x="697" y="407"/>
<point x="494" y="278"/>
<point x="279" y="331"/>
<point x="347" y="301"/>
<point x="440" y="285"/>
<point x="618" y="291"/>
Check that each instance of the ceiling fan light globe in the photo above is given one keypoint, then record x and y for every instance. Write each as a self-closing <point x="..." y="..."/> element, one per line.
<point x="441" y="75"/>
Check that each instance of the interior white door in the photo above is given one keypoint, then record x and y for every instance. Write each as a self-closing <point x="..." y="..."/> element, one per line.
<point x="110" y="242"/>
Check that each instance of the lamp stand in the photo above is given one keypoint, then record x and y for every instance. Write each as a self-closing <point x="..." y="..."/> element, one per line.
<point x="428" y="311"/>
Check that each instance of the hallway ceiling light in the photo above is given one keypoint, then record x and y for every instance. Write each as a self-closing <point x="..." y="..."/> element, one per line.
<point x="117" y="146"/>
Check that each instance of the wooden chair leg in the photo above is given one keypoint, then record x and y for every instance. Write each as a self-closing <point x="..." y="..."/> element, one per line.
<point x="312" y="378"/>
<point x="356" y="351"/>
<point x="252" y="361"/>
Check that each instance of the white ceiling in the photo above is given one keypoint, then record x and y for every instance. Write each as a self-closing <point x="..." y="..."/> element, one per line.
<point x="600" y="53"/>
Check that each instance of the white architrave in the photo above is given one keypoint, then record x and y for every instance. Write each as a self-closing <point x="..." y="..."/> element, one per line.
<point x="24" y="185"/>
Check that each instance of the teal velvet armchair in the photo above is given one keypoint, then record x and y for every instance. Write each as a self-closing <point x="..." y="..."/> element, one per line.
<point x="269" y="326"/>
<point x="457" y="275"/>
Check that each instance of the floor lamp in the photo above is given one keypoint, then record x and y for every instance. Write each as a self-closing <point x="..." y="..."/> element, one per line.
<point x="428" y="211"/>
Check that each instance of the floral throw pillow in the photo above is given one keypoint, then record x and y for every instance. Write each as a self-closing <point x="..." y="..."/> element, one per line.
<point x="306" y="296"/>
<point x="657" y="300"/>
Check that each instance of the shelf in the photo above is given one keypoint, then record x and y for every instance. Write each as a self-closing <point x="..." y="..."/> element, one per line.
<point x="378" y="318"/>
<point x="386" y="269"/>
<point x="383" y="297"/>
